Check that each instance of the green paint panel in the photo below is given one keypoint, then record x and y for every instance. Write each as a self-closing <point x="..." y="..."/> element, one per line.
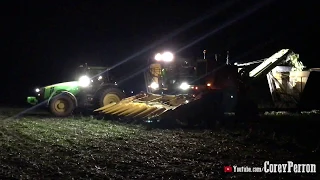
<point x="72" y="87"/>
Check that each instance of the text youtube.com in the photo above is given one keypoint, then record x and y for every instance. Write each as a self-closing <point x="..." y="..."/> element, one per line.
<point x="287" y="167"/>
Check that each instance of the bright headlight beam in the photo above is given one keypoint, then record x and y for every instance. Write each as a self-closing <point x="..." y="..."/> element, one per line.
<point x="228" y="23"/>
<point x="167" y="56"/>
<point x="158" y="57"/>
<point x="214" y="11"/>
<point x="37" y="90"/>
<point x="184" y="86"/>
<point x="84" y="81"/>
<point x="154" y="85"/>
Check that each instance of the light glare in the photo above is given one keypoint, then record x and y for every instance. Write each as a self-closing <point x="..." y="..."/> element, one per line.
<point x="167" y="56"/>
<point x="158" y="57"/>
<point x="84" y="81"/>
<point x="154" y="85"/>
<point x="184" y="86"/>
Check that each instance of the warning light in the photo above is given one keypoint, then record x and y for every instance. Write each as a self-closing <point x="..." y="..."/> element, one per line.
<point x="208" y="84"/>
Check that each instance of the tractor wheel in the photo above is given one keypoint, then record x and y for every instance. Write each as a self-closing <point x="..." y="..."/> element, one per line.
<point x="110" y="95"/>
<point x="62" y="105"/>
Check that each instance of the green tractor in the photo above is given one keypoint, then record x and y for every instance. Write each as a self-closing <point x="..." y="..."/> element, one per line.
<point x="89" y="91"/>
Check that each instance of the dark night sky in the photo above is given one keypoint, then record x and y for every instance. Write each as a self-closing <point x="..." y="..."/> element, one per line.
<point x="42" y="42"/>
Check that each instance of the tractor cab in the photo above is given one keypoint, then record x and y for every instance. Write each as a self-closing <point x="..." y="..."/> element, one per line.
<point x="95" y="72"/>
<point x="181" y="76"/>
<point x="96" y="75"/>
<point x="170" y="77"/>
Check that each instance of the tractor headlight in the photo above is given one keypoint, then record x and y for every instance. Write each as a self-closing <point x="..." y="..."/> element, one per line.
<point x="158" y="57"/>
<point x="39" y="91"/>
<point x="184" y="86"/>
<point x="84" y="81"/>
<point x="154" y="85"/>
<point x="167" y="56"/>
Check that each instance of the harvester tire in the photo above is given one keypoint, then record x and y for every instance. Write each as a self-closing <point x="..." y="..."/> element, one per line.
<point x="62" y="105"/>
<point x="110" y="95"/>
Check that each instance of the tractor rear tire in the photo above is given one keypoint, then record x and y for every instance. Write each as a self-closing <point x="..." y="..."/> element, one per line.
<point x="110" y="95"/>
<point x="62" y="105"/>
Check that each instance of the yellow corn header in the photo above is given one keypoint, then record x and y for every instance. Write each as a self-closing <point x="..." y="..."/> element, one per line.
<point x="145" y="106"/>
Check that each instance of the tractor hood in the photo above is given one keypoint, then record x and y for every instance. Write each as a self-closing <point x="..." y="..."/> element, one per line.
<point x="73" y="87"/>
<point x="46" y="92"/>
<point x="67" y="85"/>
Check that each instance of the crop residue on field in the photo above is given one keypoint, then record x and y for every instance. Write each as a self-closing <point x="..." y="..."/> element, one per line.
<point x="88" y="148"/>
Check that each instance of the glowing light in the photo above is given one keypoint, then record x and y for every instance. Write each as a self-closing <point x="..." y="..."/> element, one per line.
<point x="154" y="85"/>
<point x="184" y="86"/>
<point x="167" y="56"/>
<point x="84" y="81"/>
<point x="158" y="57"/>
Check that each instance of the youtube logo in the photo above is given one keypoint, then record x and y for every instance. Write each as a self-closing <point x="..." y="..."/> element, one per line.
<point x="227" y="169"/>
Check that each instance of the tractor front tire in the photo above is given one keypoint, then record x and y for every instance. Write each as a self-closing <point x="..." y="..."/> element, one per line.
<point x="62" y="105"/>
<point x="110" y="95"/>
